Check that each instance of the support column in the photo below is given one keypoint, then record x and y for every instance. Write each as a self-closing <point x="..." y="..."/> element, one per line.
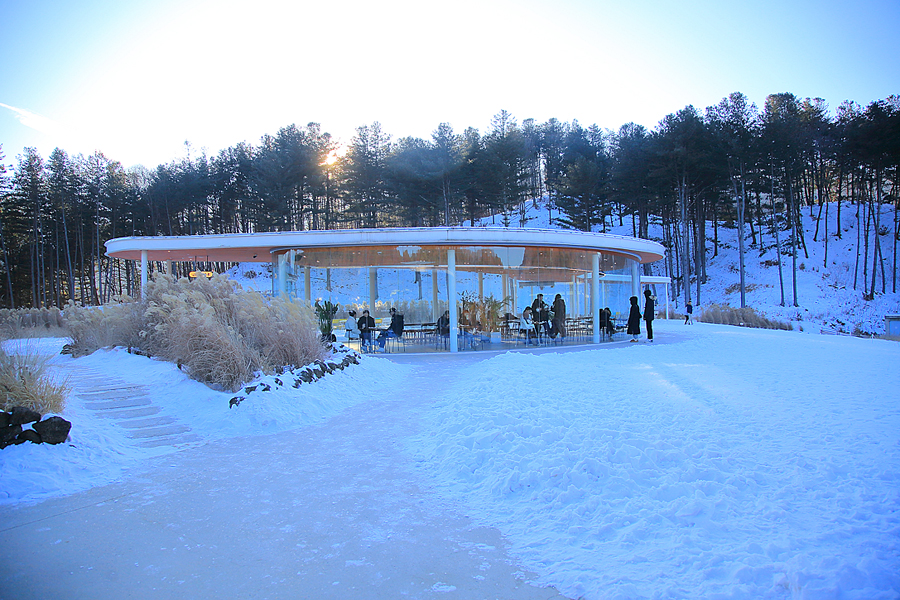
<point x="435" y="307"/>
<point x="144" y="267"/>
<point x="573" y="298"/>
<point x="373" y="290"/>
<point x="504" y="285"/>
<point x="282" y="275"/>
<point x="481" y="287"/>
<point x="667" y="301"/>
<point x="595" y="295"/>
<point x="307" y="284"/>
<point x="514" y="292"/>
<point x="451" y="299"/>
<point x="636" y="279"/>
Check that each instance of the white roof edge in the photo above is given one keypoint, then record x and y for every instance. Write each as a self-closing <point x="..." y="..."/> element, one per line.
<point x="395" y="236"/>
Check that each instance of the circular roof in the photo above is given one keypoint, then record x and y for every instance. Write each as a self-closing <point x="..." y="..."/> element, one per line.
<point x="258" y="247"/>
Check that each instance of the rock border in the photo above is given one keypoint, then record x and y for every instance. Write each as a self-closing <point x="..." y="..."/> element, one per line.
<point x="295" y="377"/>
<point x="52" y="430"/>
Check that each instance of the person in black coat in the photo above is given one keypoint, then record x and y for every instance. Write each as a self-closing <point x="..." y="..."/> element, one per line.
<point x="649" y="312"/>
<point x="610" y="326"/>
<point x="540" y="312"/>
<point x="443" y="324"/>
<point x="395" y="330"/>
<point x="634" y="319"/>
<point x="366" y="326"/>
<point x="558" y="325"/>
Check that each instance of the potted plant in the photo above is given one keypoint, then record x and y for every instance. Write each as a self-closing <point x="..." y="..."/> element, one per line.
<point x="325" y="313"/>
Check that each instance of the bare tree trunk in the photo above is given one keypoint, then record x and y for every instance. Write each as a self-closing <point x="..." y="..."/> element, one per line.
<point x="777" y="240"/>
<point x="741" y="199"/>
<point x="896" y="236"/>
<point x="12" y="300"/>
<point x="876" y="251"/>
<point x="685" y="258"/>
<point x="794" y="217"/>
<point x="868" y="218"/>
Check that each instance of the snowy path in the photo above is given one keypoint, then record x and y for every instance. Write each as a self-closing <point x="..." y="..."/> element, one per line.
<point x="330" y="511"/>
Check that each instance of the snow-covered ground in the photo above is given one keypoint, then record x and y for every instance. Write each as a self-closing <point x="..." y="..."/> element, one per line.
<point x="718" y="462"/>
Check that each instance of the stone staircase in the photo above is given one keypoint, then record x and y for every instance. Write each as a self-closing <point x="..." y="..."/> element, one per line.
<point x="130" y="406"/>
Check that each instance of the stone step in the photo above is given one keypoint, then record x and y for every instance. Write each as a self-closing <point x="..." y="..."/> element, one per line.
<point x="131" y="413"/>
<point x="92" y="397"/>
<point x="123" y="403"/>
<point x="144" y="423"/>
<point x="169" y="440"/>
<point x="107" y="384"/>
<point x="153" y="432"/>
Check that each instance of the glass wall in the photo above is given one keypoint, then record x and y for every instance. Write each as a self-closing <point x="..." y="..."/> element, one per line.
<point x="491" y="281"/>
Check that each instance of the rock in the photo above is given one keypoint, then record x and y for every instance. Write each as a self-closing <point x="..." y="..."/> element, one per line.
<point x="21" y="415"/>
<point x="236" y="401"/>
<point x="54" y="430"/>
<point x="4" y="418"/>
<point x="8" y="434"/>
<point x="29" y="435"/>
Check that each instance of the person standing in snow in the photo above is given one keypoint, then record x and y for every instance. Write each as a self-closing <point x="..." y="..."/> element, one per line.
<point x="634" y="319"/>
<point x="689" y="314"/>
<point x="649" y="312"/>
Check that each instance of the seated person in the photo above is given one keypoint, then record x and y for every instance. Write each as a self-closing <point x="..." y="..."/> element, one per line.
<point x="471" y="329"/>
<point x="395" y="330"/>
<point x="443" y="324"/>
<point x="350" y="326"/>
<point x="606" y="321"/>
<point x="366" y="326"/>
<point x="528" y="326"/>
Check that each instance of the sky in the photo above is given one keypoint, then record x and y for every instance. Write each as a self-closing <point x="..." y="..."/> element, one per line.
<point x="147" y="82"/>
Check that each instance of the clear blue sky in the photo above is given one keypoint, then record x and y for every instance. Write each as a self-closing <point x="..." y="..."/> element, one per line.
<point x="137" y="79"/>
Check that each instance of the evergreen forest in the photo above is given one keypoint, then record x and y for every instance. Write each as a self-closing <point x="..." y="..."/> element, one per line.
<point x="733" y="164"/>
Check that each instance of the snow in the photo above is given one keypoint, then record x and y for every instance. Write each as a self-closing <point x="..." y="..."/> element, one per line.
<point x="716" y="462"/>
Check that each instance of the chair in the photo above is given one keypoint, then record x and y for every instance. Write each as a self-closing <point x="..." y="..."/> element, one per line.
<point x="525" y="333"/>
<point x="392" y="343"/>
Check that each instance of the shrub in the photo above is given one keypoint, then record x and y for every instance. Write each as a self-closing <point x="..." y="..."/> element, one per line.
<point x="220" y="334"/>
<point x="744" y="317"/>
<point x="24" y="382"/>
<point x="32" y="322"/>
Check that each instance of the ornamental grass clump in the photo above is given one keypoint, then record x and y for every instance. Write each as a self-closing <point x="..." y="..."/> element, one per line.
<point x="24" y="381"/>
<point x="743" y="317"/>
<point x="214" y="330"/>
